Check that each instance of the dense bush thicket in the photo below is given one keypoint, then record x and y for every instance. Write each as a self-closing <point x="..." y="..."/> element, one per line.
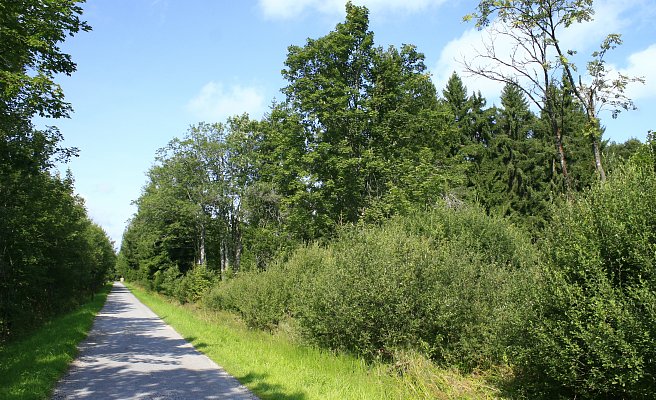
<point x="265" y="298"/>
<point x="596" y="335"/>
<point x="453" y="284"/>
<point x="189" y="287"/>
<point x="575" y="312"/>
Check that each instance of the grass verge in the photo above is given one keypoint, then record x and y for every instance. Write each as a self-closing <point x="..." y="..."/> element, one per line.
<point x="275" y="366"/>
<point x="30" y="367"/>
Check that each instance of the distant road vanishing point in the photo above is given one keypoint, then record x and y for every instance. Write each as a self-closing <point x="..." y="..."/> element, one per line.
<point x="131" y="353"/>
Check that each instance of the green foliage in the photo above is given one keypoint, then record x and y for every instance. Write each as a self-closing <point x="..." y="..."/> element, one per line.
<point x="346" y="212"/>
<point x="259" y="297"/>
<point x="576" y="141"/>
<point x="101" y="259"/>
<point x="190" y="211"/>
<point x="365" y="300"/>
<point x="31" y="57"/>
<point x="595" y="336"/>
<point x="48" y="263"/>
<point x="51" y="255"/>
<point x="617" y="154"/>
<point x="374" y="129"/>
<point x="167" y="281"/>
<point x="279" y="367"/>
<point x="33" y="364"/>
<point x="645" y="156"/>
<point x="265" y="298"/>
<point x="193" y="285"/>
<point x="437" y="282"/>
<point x="455" y="95"/>
<point x="514" y="177"/>
<point x="539" y="25"/>
<point x="360" y="138"/>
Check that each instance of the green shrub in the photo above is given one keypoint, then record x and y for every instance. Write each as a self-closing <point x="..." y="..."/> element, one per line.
<point x="456" y="285"/>
<point x="165" y="280"/>
<point x="597" y="334"/>
<point x="366" y="300"/>
<point x="264" y="298"/>
<point x="192" y="286"/>
<point x="436" y="282"/>
<point x="259" y="297"/>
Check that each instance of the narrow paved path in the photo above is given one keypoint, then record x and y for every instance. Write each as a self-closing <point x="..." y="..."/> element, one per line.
<point x="131" y="353"/>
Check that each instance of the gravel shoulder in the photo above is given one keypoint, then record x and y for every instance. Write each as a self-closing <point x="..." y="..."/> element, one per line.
<point x="131" y="353"/>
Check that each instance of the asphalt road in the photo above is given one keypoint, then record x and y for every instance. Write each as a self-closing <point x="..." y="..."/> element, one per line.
<point x="131" y="353"/>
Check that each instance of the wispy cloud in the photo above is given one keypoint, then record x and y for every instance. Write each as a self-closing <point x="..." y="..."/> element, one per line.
<point x="215" y="102"/>
<point x="285" y="9"/>
<point x="160" y="8"/>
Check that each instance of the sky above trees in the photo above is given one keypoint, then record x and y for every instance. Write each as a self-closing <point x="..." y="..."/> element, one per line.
<point x="151" y="68"/>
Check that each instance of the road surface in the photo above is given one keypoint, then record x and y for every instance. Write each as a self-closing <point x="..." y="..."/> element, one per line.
<point x="131" y="353"/>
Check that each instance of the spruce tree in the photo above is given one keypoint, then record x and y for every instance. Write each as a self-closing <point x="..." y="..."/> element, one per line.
<point x="514" y="177"/>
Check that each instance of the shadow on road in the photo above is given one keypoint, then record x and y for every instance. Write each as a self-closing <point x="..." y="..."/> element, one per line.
<point x="130" y="353"/>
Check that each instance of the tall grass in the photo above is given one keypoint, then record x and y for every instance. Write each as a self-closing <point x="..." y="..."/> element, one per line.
<point x="277" y="366"/>
<point x="30" y="367"/>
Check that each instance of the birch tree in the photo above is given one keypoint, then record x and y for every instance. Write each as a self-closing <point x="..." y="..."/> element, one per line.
<point x="538" y="59"/>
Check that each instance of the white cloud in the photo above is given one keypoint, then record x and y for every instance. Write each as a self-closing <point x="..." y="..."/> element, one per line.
<point x="214" y="102"/>
<point x="610" y="16"/>
<point x="466" y="47"/>
<point x="642" y="64"/>
<point x="284" y="9"/>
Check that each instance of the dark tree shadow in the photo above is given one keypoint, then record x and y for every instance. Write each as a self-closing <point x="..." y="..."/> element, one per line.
<point x="269" y="391"/>
<point x="127" y="355"/>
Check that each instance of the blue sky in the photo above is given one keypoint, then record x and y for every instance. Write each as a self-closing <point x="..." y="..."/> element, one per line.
<point x="151" y="68"/>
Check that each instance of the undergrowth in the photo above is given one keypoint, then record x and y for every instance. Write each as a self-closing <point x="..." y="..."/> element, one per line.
<point x="277" y="365"/>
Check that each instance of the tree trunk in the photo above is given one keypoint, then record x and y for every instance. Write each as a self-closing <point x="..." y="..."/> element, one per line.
<point x="238" y="249"/>
<point x="223" y="259"/>
<point x="561" y="156"/>
<point x="597" y="155"/>
<point x="595" y="137"/>
<point x="201" y="247"/>
<point x="236" y="236"/>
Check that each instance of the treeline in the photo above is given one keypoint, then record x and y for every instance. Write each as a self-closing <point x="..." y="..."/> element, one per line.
<point x="362" y="136"/>
<point x="51" y="254"/>
<point x="378" y="215"/>
<point x="572" y="316"/>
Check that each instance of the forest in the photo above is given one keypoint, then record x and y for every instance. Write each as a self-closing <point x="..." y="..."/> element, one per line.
<point x="52" y="256"/>
<point x="377" y="213"/>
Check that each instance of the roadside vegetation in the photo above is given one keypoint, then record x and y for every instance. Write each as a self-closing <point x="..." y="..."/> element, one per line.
<point x="52" y="256"/>
<point x="31" y="366"/>
<point x="280" y="366"/>
<point x="370" y="217"/>
<point x="447" y="303"/>
<point x="412" y="242"/>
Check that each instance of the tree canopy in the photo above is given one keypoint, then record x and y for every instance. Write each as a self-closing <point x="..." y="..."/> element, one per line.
<point x="51" y="253"/>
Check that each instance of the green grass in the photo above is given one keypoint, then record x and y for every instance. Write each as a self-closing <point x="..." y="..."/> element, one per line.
<point x="30" y="367"/>
<point x="276" y="366"/>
